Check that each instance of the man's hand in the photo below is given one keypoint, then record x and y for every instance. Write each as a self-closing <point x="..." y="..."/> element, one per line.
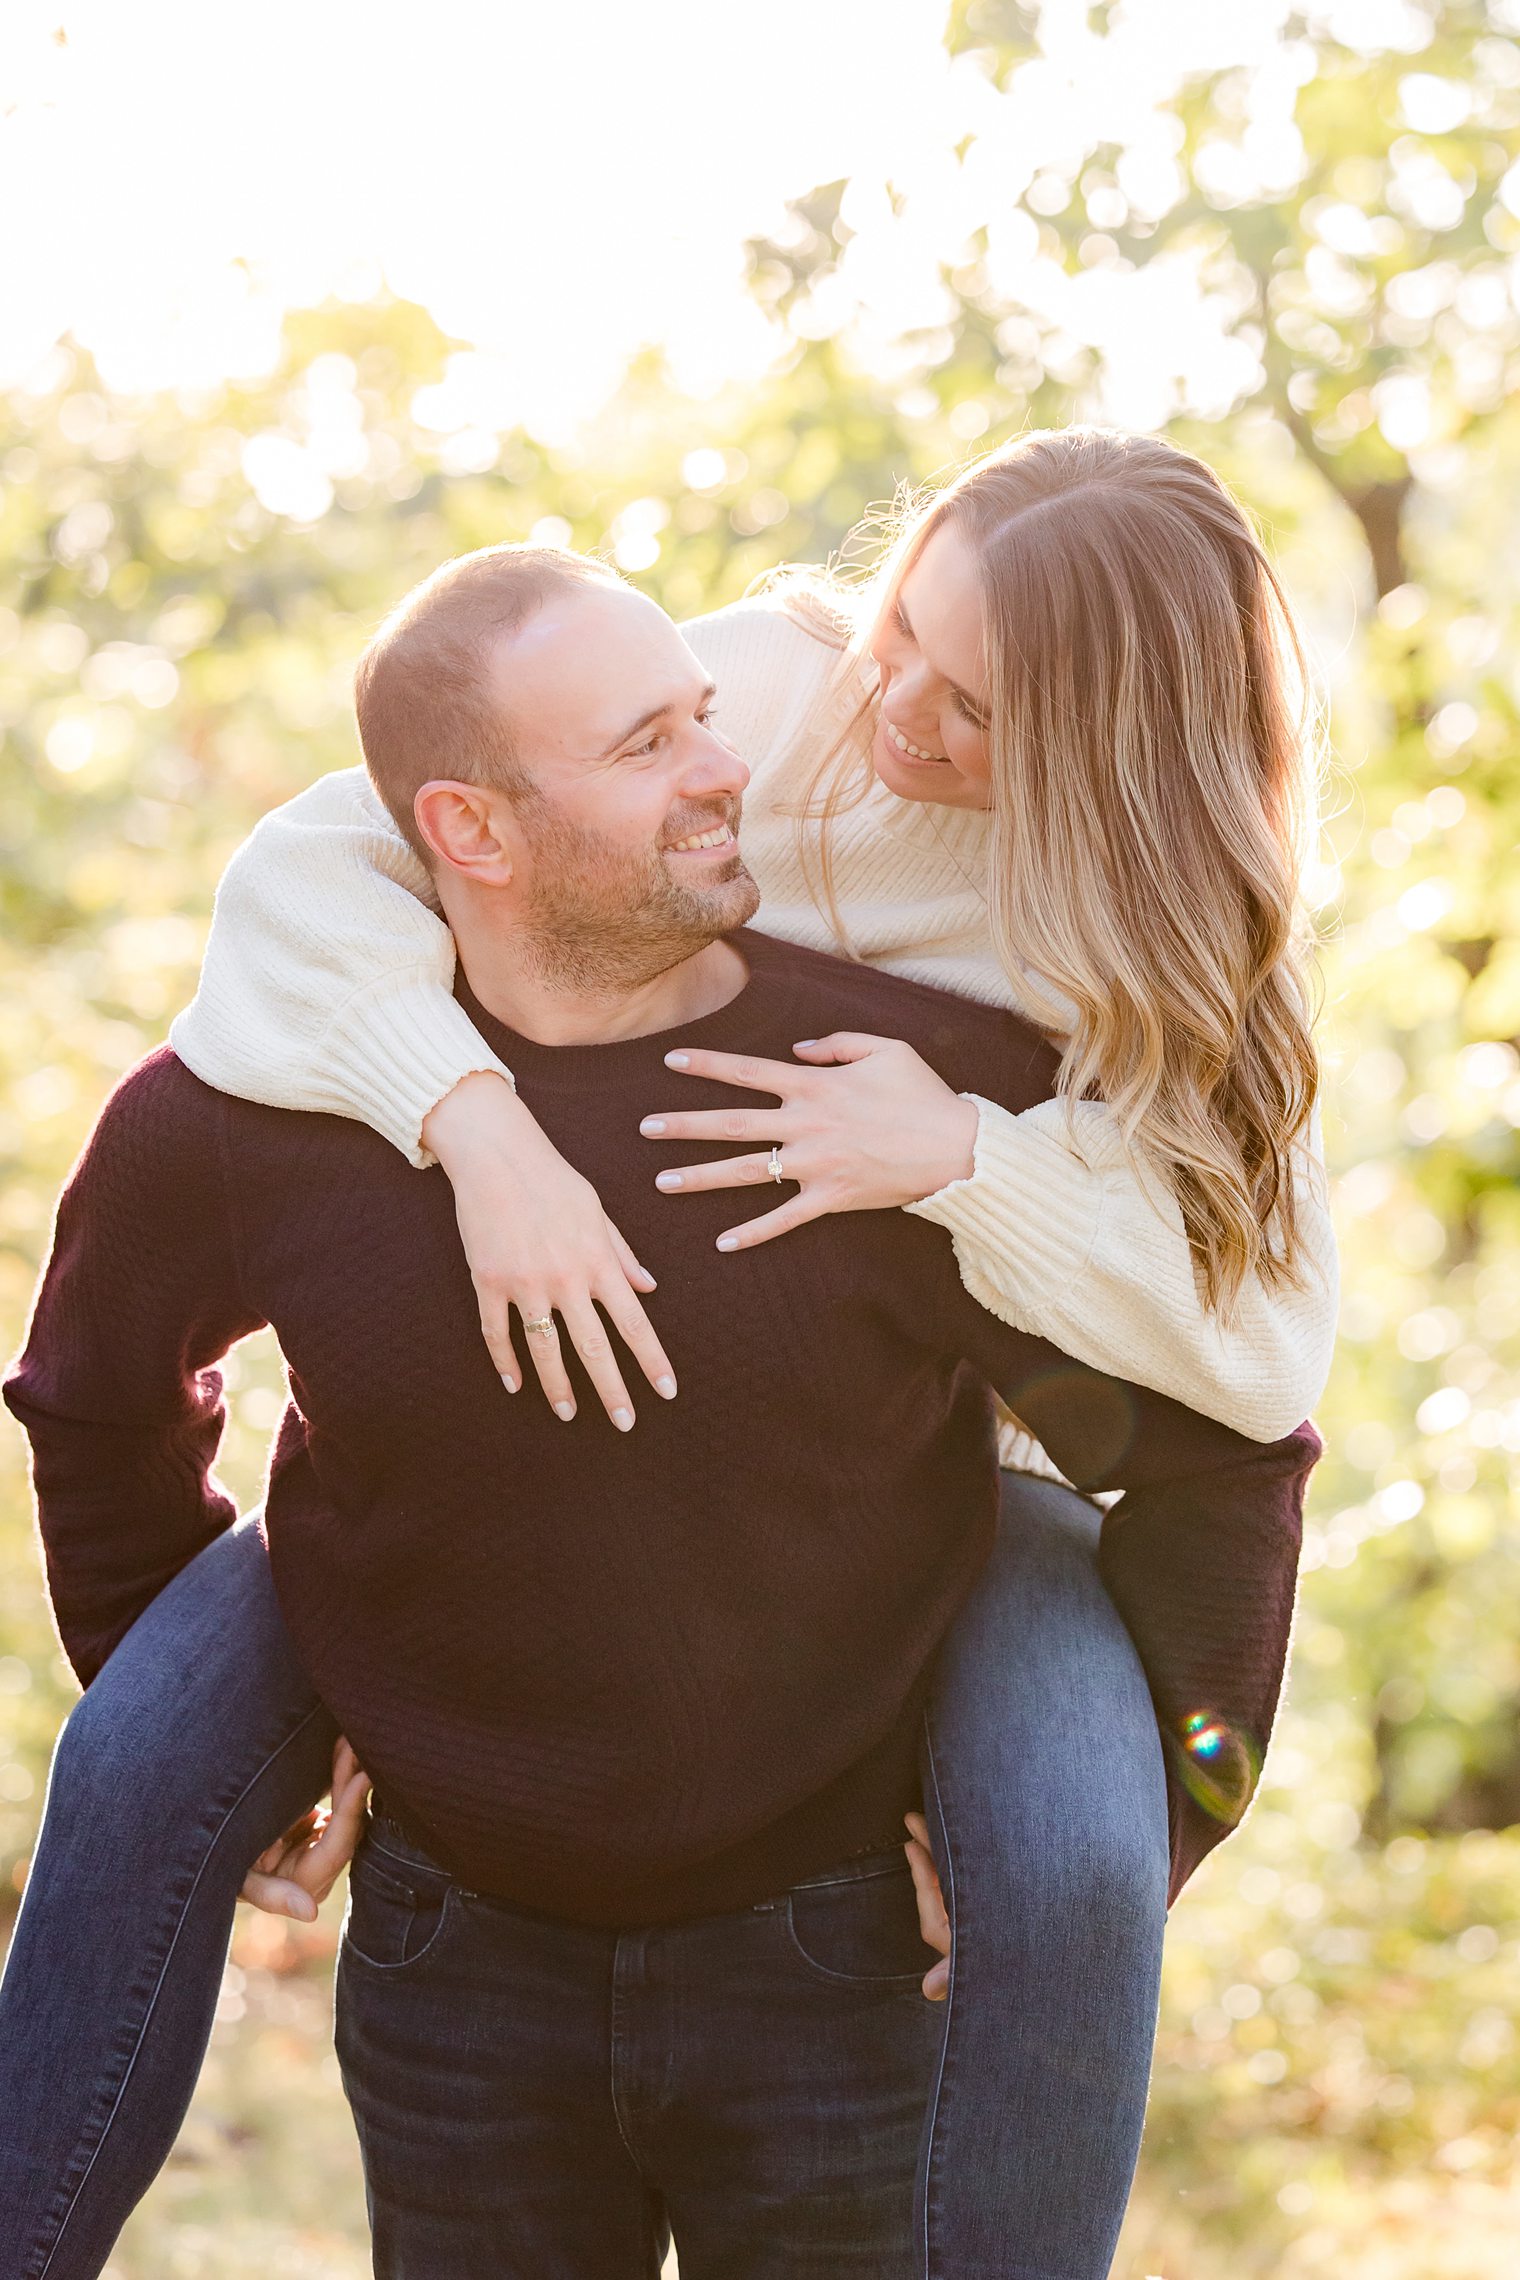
<point x="293" y="1876"/>
<point x="933" y="1921"/>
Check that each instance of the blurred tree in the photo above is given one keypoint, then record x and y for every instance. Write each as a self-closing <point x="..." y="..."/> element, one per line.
<point x="1348" y="205"/>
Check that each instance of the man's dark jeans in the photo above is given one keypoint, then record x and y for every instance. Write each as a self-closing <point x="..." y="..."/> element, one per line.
<point x="540" y="2101"/>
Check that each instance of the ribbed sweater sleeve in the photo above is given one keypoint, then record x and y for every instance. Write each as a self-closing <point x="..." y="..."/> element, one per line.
<point x="1199" y="1554"/>
<point x="1203" y="1571"/>
<point x="328" y="977"/>
<point x="115" y="1386"/>
<point x="1060" y="1230"/>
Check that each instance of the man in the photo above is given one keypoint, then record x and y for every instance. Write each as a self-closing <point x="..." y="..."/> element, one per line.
<point x="631" y="1943"/>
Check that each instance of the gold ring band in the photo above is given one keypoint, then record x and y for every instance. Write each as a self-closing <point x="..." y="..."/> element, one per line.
<point x="542" y="1328"/>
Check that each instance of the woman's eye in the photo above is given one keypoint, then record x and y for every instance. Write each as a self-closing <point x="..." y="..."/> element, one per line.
<point x="966" y="711"/>
<point x="901" y="622"/>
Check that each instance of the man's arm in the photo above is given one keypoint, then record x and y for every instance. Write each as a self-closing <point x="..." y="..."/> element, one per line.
<point x="114" y="1387"/>
<point x="1199" y="1554"/>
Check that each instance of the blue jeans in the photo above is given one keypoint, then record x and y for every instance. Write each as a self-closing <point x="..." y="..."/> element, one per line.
<point x="541" y="2101"/>
<point x="1044" y="1789"/>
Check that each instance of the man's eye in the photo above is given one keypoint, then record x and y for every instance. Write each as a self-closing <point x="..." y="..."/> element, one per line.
<point x="644" y="751"/>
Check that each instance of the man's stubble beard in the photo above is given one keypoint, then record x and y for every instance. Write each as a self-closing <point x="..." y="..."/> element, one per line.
<point x="602" y="924"/>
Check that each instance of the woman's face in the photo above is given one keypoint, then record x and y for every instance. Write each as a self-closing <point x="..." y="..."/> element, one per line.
<point x="931" y="739"/>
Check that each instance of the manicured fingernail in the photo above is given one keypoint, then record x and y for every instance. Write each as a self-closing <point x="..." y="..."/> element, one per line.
<point x="669" y="1180"/>
<point x="806" y="1042"/>
<point x="666" y="1388"/>
<point x="678" y="1060"/>
<point x="509" y="1383"/>
<point x="653" y="1126"/>
<point x="728" y="1242"/>
<point x="623" y="1420"/>
<point x="565" y="1409"/>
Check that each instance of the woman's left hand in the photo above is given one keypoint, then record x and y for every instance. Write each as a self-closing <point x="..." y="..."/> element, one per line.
<point x="864" y="1125"/>
<point x="294" y="1875"/>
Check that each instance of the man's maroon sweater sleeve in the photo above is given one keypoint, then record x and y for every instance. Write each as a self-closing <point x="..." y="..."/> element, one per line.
<point x="114" y="1386"/>
<point x="1199" y="1554"/>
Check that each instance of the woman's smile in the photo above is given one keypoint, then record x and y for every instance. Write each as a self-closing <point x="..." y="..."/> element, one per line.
<point x="931" y="742"/>
<point x="912" y="751"/>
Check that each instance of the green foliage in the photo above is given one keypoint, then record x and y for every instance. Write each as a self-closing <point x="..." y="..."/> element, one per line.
<point x="186" y="585"/>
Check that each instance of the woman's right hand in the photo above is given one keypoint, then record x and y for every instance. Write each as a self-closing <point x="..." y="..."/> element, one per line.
<point x="933" y="1916"/>
<point x="536" y="1237"/>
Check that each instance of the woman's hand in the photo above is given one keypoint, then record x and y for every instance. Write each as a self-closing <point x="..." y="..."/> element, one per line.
<point x="536" y="1237"/>
<point x="293" y="1876"/>
<point x="933" y="1919"/>
<point x="876" y="1131"/>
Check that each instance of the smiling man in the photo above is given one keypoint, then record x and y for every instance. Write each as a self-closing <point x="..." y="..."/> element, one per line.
<point x="611" y="883"/>
<point x="633" y="1948"/>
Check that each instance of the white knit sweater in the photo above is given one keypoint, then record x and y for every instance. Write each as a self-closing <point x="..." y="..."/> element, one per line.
<point x="328" y="985"/>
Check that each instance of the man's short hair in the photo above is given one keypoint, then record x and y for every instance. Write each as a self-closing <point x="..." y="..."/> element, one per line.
<point x="426" y="701"/>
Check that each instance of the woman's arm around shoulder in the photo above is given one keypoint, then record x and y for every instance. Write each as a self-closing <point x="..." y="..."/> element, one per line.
<point x="328" y="977"/>
<point x="1060" y="1232"/>
<point x="328" y="984"/>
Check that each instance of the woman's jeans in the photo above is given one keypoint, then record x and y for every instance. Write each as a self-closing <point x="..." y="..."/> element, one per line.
<point x="201" y="1740"/>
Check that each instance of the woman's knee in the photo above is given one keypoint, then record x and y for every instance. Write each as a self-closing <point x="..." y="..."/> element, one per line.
<point x="194" y="1699"/>
<point x="1043" y="1522"/>
<point x="104" y="1757"/>
<point x="135" y="1734"/>
<point x="1044" y="1756"/>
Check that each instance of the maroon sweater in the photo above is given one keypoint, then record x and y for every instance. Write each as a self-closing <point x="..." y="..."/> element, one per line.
<point x="617" y="1678"/>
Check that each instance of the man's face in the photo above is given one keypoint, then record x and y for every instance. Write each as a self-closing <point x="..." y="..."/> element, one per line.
<point x="626" y="856"/>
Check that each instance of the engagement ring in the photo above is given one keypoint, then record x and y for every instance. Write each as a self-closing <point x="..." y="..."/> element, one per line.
<point x="542" y="1328"/>
<point x="777" y="1174"/>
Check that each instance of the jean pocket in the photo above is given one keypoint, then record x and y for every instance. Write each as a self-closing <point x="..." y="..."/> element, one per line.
<point x="398" y="1910"/>
<point x="861" y="1926"/>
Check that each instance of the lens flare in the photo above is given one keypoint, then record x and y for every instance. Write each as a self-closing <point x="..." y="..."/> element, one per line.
<point x="1219" y="1764"/>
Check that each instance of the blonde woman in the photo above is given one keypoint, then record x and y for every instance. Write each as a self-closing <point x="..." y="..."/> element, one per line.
<point x="1051" y="758"/>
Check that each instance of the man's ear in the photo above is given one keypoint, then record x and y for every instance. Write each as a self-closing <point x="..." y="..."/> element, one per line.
<point x="468" y="828"/>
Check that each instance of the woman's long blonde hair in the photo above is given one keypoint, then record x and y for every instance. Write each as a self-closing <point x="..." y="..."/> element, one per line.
<point x="1151" y="748"/>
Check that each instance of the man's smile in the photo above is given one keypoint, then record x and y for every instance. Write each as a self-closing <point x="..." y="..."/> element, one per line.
<point x="715" y="841"/>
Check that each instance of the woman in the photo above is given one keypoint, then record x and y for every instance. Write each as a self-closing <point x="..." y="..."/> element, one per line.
<point x="1058" y="768"/>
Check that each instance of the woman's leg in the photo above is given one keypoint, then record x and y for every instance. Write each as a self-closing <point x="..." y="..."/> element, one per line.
<point x="196" y="1745"/>
<point x="1046" y="1800"/>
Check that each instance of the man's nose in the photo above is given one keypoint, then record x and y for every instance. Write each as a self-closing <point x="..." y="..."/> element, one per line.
<point x="714" y="767"/>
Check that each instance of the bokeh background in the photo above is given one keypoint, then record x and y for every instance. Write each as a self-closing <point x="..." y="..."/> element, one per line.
<point x="292" y="309"/>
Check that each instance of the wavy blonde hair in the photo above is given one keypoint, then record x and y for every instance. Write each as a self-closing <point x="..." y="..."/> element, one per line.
<point x="1152" y="744"/>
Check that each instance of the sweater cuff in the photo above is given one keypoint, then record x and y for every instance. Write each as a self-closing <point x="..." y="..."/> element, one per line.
<point x="394" y="1051"/>
<point x="1027" y="1216"/>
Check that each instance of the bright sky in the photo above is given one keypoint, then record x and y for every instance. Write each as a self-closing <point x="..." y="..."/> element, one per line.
<point x="558" y="183"/>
